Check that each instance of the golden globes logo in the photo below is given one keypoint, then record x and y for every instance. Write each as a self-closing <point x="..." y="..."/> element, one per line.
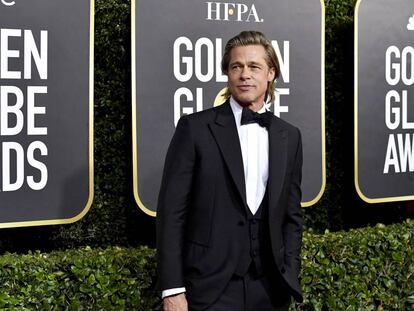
<point x="410" y="25"/>
<point x="20" y="110"/>
<point x="240" y="12"/>
<point x="399" y="73"/>
<point x="7" y="2"/>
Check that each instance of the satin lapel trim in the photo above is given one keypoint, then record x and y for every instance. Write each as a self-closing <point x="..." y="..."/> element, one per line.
<point x="225" y="133"/>
<point x="278" y="139"/>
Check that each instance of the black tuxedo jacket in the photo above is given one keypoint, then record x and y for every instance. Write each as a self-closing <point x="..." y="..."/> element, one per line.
<point x="202" y="205"/>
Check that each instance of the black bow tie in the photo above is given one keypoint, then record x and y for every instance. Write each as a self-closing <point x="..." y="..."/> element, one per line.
<point x="249" y="116"/>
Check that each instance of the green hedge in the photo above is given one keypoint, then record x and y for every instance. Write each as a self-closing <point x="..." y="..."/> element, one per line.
<point x="363" y="269"/>
<point x="84" y="279"/>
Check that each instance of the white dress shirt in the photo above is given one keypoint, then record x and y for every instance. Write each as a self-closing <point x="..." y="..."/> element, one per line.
<point x="254" y="143"/>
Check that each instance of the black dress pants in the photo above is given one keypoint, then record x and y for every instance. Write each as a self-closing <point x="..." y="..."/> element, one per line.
<point x="250" y="293"/>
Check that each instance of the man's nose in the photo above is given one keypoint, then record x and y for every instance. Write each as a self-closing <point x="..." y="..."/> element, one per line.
<point x="245" y="73"/>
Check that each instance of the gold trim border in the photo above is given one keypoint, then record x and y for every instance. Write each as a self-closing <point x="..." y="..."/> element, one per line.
<point x="356" y="164"/>
<point x="134" y="114"/>
<point x="323" y="129"/>
<point x="91" y="137"/>
<point x="134" y="110"/>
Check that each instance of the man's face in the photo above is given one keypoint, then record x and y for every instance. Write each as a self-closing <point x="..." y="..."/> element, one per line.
<point x="249" y="75"/>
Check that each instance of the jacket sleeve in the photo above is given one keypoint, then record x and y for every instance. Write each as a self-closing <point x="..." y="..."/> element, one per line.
<point x="173" y="204"/>
<point x="292" y="226"/>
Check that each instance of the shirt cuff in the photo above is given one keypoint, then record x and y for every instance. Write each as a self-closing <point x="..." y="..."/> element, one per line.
<point x="172" y="291"/>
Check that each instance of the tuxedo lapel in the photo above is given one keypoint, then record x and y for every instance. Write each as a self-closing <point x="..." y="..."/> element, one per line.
<point x="225" y="133"/>
<point x="277" y="161"/>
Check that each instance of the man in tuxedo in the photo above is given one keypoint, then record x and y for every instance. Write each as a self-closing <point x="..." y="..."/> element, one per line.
<point x="229" y="222"/>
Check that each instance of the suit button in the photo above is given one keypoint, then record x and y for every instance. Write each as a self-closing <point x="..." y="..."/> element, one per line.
<point x="241" y="223"/>
<point x="283" y="270"/>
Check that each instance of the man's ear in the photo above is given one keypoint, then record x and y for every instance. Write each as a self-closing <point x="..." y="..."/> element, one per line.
<point x="271" y="74"/>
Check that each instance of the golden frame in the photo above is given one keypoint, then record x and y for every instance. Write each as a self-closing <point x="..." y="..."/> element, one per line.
<point x="356" y="180"/>
<point x="90" y="146"/>
<point x="134" y="111"/>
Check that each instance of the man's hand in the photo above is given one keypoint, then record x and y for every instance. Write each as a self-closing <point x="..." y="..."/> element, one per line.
<point x="175" y="303"/>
